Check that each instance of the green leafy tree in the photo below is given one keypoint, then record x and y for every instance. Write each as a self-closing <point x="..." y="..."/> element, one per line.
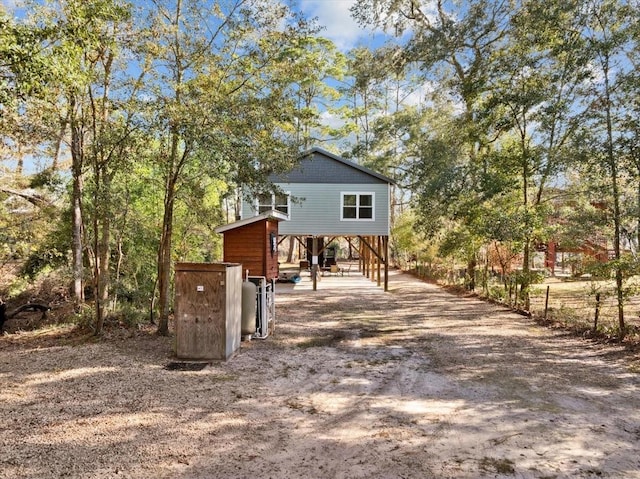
<point x="363" y="94"/>
<point x="26" y="72"/>
<point x="24" y="69"/>
<point x="218" y="101"/>
<point x="459" y="50"/>
<point x="628" y="145"/>
<point x="608" y="35"/>
<point x="536" y="97"/>
<point x="379" y="97"/>
<point x="85" y="50"/>
<point x="314" y="65"/>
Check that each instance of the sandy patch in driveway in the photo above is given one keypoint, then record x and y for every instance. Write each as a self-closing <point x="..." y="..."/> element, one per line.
<point x="355" y="383"/>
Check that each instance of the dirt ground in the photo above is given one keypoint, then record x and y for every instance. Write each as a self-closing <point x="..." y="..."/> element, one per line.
<point x="354" y="383"/>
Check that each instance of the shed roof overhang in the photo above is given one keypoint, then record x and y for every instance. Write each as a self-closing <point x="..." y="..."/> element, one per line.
<point x="267" y="215"/>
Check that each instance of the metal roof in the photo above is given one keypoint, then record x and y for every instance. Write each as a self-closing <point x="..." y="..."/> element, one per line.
<point x="348" y="163"/>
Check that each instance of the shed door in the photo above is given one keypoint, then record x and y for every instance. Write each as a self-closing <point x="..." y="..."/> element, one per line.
<point x="199" y="314"/>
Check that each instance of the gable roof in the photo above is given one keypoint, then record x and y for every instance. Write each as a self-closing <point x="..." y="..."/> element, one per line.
<point x="306" y="171"/>
<point x="267" y="215"/>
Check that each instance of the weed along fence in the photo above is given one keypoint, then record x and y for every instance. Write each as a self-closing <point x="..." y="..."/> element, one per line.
<point x="583" y="304"/>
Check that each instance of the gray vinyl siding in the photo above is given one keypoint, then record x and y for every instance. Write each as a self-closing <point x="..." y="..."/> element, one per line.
<point x="316" y="209"/>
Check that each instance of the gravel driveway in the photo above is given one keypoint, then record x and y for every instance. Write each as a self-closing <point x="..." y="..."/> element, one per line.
<point x="354" y="383"/>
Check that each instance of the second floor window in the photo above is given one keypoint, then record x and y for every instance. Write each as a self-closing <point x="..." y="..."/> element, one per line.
<point x="268" y="202"/>
<point x="357" y="206"/>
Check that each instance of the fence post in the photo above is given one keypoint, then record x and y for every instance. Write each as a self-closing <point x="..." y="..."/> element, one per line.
<point x="510" y="291"/>
<point x="597" y="313"/>
<point x="546" y="303"/>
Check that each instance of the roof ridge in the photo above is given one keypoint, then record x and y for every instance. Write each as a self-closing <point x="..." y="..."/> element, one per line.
<point x="352" y="164"/>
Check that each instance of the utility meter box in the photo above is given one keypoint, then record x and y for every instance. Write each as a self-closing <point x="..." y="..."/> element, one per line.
<point x="208" y="310"/>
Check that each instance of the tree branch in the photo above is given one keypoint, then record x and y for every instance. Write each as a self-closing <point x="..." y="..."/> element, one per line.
<point x="33" y="198"/>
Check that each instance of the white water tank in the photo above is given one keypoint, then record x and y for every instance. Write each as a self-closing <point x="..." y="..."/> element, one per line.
<point x="248" y="322"/>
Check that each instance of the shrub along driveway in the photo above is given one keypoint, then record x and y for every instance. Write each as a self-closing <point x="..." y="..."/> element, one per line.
<point x="354" y="383"/>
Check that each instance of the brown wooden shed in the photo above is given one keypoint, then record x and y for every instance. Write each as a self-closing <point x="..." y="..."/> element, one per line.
<point x="253" y="242"/>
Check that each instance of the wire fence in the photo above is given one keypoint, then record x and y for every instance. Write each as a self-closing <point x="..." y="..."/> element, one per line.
<point x="580" y="304"/>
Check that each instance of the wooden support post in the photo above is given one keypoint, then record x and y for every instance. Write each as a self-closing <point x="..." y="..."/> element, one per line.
<point x="386" y="262"/>
<point x="374" y="259"/>
<point x="361" y="261"/>
<point x="369" y="259"/>
<point x="365" y="260"/>
<point x="378" y="260"/>
<point x="314" y="262"/>
<point x="372" y="242"/>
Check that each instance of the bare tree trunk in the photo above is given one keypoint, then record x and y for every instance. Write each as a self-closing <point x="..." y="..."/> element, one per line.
<point x="76" y="204"/>
<point x="102" y="232"/>
<point x="526" y="279"/>
<point x="471" y="274"/>
<point x="173" y="168"/>
<point x="166" y="237"/>
<point x="20" y="157"/>
<point x="615" y="191"/>
<point x="526" y="254"/>
<point x="105" y="275"/>
<point x="59" y="140"/>
<point x="638" y="219"/>
<point x="292" y="244"/>
<point x="164" y="260"/>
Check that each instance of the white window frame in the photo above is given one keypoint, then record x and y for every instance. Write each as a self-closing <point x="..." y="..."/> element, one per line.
<point x="273" y="206"/>
<point x="358" y="194"/>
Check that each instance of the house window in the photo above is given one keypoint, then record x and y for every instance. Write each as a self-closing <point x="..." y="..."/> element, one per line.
<point x="357" y="207"/>
<point x="278" y="202"/>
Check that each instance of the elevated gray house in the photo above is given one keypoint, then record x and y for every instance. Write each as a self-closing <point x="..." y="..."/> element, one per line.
<point x="327" y="196"/>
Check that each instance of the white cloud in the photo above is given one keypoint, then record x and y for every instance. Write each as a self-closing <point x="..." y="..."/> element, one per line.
<point x="9" y="5"/>
<point x="339" y="26"/>
<point x="331" y="120"/>
<point x="417" y="96"/>
<point x="13" y="7"/>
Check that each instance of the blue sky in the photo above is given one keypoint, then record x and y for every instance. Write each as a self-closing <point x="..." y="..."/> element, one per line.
<point x="335" y="17"/>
